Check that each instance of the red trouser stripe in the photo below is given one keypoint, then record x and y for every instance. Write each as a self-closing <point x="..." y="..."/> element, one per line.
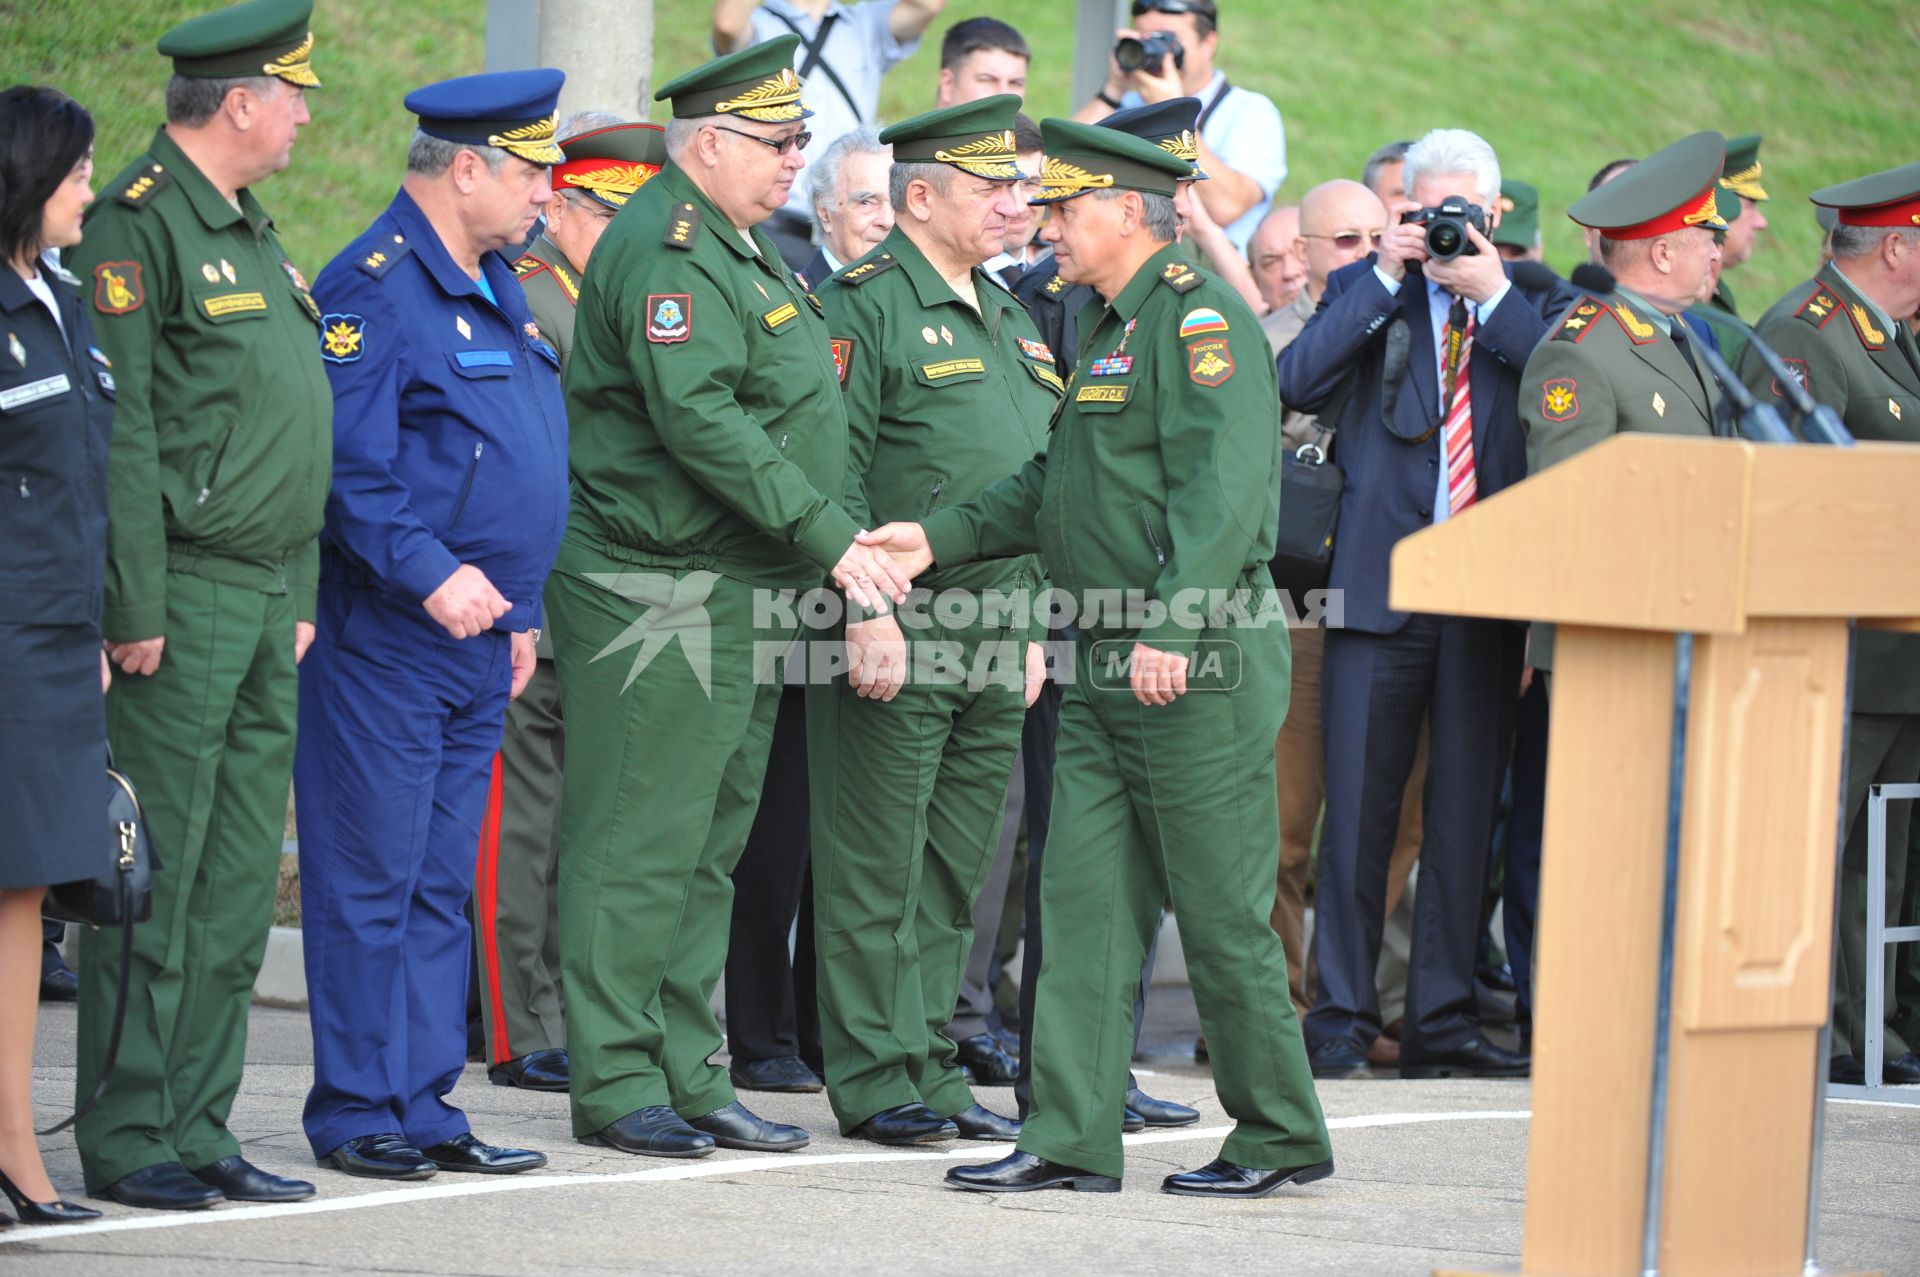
<point x="486" y="909"/>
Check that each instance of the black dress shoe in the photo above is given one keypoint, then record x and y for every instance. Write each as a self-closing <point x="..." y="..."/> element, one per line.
<point x="735" y="1126"/>
<point x="1339" y="1059"/>
<point x="1902" y="1070"/>
<point x="1478" y="1058"/>
<point x="785" y="1074"/>
<point x="162" y="1186"/>
<point x="1019" y="1172"/>
<point x="977" y="1123"/>
<point x="384" y="1156"/>
<point x="654" y="1131"/>
<point x="59" y="985"/>
<point x="534" y="1071"/>
<point x="1498" y="977"/>
<point x="1132" y="1123"/>
<point x="905" y="1124"/>
<point x="1159" y="1112"/>
<point x="1221" y="1178"/>
<point x="1844" y="1070"/>
<point x="468" y="1153"/>
<point x="53" y="1212"/>
<point x="241" y="1181"/>
<point x="986" y="1062"/>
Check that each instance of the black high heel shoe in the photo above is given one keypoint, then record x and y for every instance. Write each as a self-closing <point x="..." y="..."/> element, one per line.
<point x="53" y="1212"/>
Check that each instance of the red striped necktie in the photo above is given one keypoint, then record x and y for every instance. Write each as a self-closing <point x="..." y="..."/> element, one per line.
<point x="1463" y="487"/>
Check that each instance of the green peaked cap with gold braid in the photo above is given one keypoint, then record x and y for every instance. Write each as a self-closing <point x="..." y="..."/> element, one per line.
<point x="260" y="37"/>
<point x="1085" y="157"/>
<point x="757" y="83"/>
<point x="974" y="137"/>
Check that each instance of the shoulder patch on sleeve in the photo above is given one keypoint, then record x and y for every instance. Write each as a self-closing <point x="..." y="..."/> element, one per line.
<point x="842" y="357"/>
<point x="1579" y="320"/>
<point x="1180" y="277"/>
<point x="1796" y="369"/>
<point x="117" y="289"/>
<point x="1560" y="399"/>
<point x="1819" y="307"/>
<point x="682" y="225"/>
<point x="868" y="269"/>
<point x="342" y="338"/>
<point x="377" y="262"/>
<point x="141" y="190"/>
<point x="1201" y="321"/>
<point x="1209" y="362"/>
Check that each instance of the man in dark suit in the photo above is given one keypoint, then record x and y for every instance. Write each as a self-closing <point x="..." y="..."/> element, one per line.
<point x="1430" y="352"/>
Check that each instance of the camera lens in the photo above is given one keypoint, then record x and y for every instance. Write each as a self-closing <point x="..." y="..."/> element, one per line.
<point x="1444" y="240"/>
<point x="1130" y="53"/>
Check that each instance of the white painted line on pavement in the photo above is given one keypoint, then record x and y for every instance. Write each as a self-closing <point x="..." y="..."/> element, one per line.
<point x="705" y="1167"/>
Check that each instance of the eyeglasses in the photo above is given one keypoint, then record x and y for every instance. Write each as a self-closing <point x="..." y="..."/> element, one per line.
<point x="588" y="205"/>
<point x="1347" y="241"/>
<point x="1202" y="7"/>
<point x="798" y="142"/>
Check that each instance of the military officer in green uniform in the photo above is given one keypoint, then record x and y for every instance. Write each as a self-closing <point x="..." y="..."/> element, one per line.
<point x="1518" y="234"/>
<point x="708" y="443"/>
<point x="516" y="897"/>
<point x="948" y="390"/>
<point x="1623" y="360"/>
<point x="218" y="482"/>
<point x="1159" y="491"/>
<point x="1843" y="336"/>
<point x="1740" y="205"/>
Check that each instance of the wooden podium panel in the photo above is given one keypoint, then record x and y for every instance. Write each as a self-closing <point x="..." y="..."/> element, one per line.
<point x="1763" y="555"/>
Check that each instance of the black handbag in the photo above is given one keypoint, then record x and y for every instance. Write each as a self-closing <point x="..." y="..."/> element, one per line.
<point x="1310" y="488"/>
<point x="119" y="895"/>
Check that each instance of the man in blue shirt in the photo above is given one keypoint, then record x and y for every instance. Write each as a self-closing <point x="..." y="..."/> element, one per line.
<point x="449" y="498"/>
<point x="1243" y="143"/>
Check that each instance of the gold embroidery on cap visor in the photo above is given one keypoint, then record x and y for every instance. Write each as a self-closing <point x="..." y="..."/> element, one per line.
<point x="294" y="66"/>
<point x="531" y="142"/>
<point x="989" y="155"/>
<point x="1747" y="182"/>
<point x="775" y="101"/>
<point x="1060" y="180"/>
<point x="1707" y="215"/>
<point x="613" y="183"/>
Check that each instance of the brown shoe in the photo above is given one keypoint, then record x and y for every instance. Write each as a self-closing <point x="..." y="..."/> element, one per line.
<point x="1384" y="1052"/>
<point x="1396" y="1028"/>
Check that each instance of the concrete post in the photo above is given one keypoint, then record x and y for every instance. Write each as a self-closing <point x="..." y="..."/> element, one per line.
<point x="1092" y="42"/>
<point x="604" y="46"/>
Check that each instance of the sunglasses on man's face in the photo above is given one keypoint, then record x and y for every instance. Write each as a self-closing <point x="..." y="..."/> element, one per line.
<point x="780" y="146"/>
<point x="1347" y="241"/>
<point x="1202" y="7"/>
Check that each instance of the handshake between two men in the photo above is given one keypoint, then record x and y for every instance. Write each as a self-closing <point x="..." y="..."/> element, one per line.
<point x="884" y="562"/>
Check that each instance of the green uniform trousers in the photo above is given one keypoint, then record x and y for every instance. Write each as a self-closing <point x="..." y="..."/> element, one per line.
<point x="907" y="799"/>
<point x="668" y="724"/>
<point x="208" y="741"/>
<point x="516" y="897"/>
<point x="1882" y="749"/>
<point x="1150" y="803"/>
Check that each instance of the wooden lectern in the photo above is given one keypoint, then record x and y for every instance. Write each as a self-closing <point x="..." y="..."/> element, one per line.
<point x="1762" y="553"/>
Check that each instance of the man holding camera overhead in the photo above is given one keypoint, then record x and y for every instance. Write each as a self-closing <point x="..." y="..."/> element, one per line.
<point x="1424" y="341"/>
<point x="1168" y="53"/>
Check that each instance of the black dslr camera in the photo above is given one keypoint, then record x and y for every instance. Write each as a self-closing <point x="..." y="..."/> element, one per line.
<point x="1447" y="227"/>
<point x="1148" y="52"/>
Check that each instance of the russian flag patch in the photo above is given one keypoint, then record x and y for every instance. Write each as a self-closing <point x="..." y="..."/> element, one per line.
<point x="1202" y="321"/>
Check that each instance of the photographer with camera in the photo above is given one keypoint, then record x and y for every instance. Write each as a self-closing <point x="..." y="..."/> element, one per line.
<point x="1168" y="53"/>
<point x="1423" y="342"/>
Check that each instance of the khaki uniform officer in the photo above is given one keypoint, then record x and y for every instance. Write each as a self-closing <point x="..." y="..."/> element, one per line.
<point x="218" y="482"/>
<point x="1843" y="334"/>
<point x="1159" y="483"/>
<point x="1622" y="361"/>
<point x="708" y="445"/>
<point x="948" y="389"/>
<point x="516" y="887"/>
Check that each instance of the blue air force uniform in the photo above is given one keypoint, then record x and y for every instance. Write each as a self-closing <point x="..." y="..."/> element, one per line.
<point x="450" y="449"/>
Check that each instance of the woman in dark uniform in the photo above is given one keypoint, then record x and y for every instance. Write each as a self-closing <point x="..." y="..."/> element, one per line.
<point x="56" y="417"/>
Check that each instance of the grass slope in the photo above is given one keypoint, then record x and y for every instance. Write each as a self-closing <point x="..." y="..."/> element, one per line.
<point x="1557" y="88"/>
